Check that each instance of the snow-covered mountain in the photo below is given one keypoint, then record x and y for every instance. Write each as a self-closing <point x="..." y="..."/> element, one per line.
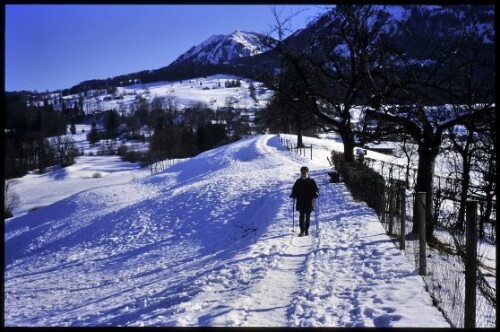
<point x="425" y="27"/>
<point x="224" y="49"/>
<point x="422" y="29"/>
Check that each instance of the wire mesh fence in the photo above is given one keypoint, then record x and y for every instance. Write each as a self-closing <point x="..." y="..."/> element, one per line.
<point x="441" y="262"/>
<point x="445" y="262"/>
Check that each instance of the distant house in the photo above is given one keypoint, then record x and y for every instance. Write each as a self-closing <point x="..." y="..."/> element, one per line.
<point x="383" y="147"/>
<point x="220" y="122"/>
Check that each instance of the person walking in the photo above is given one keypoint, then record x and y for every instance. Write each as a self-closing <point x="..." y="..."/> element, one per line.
<point x="305" y="190"/>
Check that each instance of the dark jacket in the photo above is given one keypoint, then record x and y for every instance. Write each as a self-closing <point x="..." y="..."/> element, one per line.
<point x="305" y="190"/>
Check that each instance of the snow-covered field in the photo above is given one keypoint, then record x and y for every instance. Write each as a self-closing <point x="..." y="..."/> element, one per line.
<point x="207" y="242"/>
<point x="89" y="172"/>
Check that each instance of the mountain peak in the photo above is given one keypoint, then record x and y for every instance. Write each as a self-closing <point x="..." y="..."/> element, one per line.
<point x="224" y="49"/>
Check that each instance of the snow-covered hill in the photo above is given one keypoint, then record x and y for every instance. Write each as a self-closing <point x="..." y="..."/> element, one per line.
<point x="224" y="49"/>
<point x="209" y="242"/>
<point x="210" y="91"/>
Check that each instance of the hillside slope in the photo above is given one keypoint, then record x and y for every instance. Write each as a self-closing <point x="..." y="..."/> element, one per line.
<point x="209" y="242"/>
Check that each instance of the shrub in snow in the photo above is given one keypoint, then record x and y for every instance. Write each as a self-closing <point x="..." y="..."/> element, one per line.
<point x="11" y="200"/>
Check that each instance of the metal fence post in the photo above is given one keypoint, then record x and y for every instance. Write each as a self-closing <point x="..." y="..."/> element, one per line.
<point x="470" y="264"/>
<point x="420" y="201"/>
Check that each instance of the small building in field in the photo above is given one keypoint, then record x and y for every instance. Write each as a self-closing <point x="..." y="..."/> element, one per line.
<point x="383" y="147"/>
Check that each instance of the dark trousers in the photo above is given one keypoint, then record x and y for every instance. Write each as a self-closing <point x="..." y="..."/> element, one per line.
<point x="304" y="221"/>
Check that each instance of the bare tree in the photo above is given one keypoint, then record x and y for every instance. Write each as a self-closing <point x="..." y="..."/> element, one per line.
<point x="275" y="117"/>
<point x="65" y="150"/>
<point x="290" y="103"/>
<point x="342" y="66"/>
<point x="484" y="164"/>
<point x="462" y="75"/>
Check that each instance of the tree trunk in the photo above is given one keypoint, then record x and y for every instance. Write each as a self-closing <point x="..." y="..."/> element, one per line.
<point x="464" y="190"/>
<point x="298" y="127"/>
<point x="425" y="179"/>
<point x="285" y="126"/>
<point x="348" y="141"/>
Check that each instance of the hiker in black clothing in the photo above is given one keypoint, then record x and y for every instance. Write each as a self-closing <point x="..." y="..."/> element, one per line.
<point x="305" y="190"/>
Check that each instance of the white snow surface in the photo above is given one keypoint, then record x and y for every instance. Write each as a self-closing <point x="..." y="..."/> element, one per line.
<point x="207" y="242"/>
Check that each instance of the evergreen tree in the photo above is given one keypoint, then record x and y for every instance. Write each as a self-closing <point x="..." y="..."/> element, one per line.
<point x="93" y="136"/>
<point x="253" y="92"/>
<point x="112" y="123"/>
<point x="72" y="127"/>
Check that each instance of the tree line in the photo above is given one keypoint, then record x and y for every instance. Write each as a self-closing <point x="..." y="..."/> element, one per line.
<point x="37" y="137"/>
<point x="34" y="136"/>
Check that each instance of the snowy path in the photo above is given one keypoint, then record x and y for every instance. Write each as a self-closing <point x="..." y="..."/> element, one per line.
<point x="271" y="296"/>
<point x="265" y="303"/>
<point x="272" y="285"/>
<point x="209" y="242"/>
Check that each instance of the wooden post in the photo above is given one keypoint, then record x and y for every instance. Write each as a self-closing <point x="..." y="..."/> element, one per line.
<point x="470" y="264"/>
<point x="384" y="196"/>
<point x="481" y="220"/>
<point x="420" y="202"/>
<point x="391" y="208"/>
<point x="402" y="197"/>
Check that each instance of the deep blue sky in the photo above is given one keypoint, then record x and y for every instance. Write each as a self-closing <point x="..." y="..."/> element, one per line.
<point x="50" y="47"/>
